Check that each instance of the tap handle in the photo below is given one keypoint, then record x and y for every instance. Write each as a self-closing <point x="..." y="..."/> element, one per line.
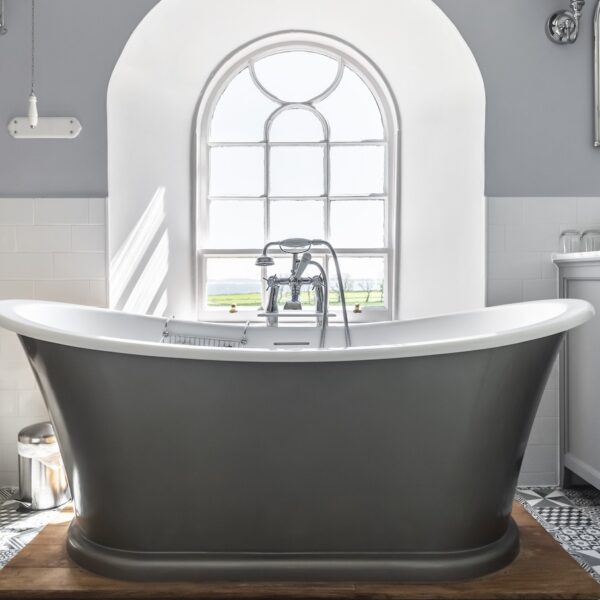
<point x="304" y="262"/>
<point x="272" y="282"/>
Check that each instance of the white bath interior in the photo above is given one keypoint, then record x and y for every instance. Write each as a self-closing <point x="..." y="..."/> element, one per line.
<point x="154" y="96"/>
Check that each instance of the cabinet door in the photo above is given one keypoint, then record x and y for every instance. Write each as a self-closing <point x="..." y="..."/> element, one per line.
<point x="581" y="410"/>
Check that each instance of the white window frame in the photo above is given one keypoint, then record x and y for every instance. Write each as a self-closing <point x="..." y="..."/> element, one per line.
<point x="211" y="94"/>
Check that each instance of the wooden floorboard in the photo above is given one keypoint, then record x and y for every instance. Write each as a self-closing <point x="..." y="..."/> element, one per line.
<point x="543" y="571"/>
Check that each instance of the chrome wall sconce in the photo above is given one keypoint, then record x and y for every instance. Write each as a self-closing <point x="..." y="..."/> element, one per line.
<point x="3" y="27"/>
<point x="563" y="26"/>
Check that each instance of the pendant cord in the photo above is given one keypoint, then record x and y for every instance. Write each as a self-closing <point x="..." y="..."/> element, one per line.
<point x="33" y="47"/>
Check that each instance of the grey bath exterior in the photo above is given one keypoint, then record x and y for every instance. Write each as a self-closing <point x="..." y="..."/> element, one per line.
<point x="398" y="469"/>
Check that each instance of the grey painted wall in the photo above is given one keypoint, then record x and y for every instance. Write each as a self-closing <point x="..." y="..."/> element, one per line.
<point x="540" y="99"/>
<point x="79" y="42"/>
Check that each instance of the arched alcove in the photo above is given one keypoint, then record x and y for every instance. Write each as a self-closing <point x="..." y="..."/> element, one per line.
<point x="154" y="95"/>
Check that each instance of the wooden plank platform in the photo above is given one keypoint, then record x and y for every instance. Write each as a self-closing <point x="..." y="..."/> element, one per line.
<point x="543" y="570"/>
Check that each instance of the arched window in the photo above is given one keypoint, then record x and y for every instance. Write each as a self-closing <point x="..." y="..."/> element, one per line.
<point x="296" y="140"/>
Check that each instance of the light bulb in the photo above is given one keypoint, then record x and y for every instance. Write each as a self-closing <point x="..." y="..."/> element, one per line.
<point x="33" y="111"/>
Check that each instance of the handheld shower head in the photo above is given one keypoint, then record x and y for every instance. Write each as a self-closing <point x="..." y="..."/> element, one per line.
<point x="264" y="261"/>
<point x="295" y="245"/>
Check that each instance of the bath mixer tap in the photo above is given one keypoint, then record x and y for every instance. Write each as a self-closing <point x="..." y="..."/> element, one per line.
<point x="319" y="283"/>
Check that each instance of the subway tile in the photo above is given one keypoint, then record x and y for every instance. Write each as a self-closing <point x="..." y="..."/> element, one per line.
<point x="496" y="238"/>
<point x="75" y="292"/>
<point x="540" y="289"/>
<point x="26" y="266"/>
<point x="88" y="238"/>
<point x="8" y="458"/>
<point x="553" y="379"/>
<point x="504" y="291"/>
<point x="11" y="349"/>
<point x="61" y="210"/>
<point x="16" y="210"/>
<point x="9" y="478"/>
<point x="540" y="458"/>
<point x="536" y="237"/>
<point x="8" y="238"/>
<point x="548" y="404"/>
<point x="97" y="208"/>
<point x="544" y="431"/>
<point x="79" y="266"/>
<point x="16" y="374"/>
<point x="9" y="403"/>
<point x="549" y="269"/>
<point x="98" y="295"/>
<point x="16" y="289"/>
<point x="514" y="265"/>
<point x="556" y="210"/>
<point x="43" y="238"/>
<point x="9" y="428"/>
<point x="31" y="404"/>
<point x="503" y="211"/>
<point x="549" y="478"/>
<point x="588" y="210"/>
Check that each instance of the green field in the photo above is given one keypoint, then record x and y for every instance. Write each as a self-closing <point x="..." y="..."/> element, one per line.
<point x="362" y="297"/>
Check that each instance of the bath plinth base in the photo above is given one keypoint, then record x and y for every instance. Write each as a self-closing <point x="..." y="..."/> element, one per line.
<point x="201" y="566"/>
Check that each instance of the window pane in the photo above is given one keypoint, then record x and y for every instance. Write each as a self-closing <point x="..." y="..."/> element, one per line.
<point x="351" y="111"/>
<point x="236" y="224"/>
<point x="296" y="125"/>
<point x="363" y="280"/>
<point x="237" y="171"/>
<point x="358" y="224"/>
<point x="233" y="281"/>
<point x="297" y="171"/>
<point x="357" y="170"/>
<point x="241" y="112"/>
<point x="296" y="76"/>
<point x="297" y="219"/>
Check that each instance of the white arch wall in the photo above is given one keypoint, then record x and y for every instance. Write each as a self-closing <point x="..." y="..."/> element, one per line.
<point x="153" y="96"/>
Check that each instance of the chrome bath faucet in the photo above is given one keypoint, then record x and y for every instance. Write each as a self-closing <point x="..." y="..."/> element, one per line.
<point x="300" y="248"/>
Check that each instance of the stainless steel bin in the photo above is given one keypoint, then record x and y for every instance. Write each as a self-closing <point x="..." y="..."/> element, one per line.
<point x="42" y="479"/>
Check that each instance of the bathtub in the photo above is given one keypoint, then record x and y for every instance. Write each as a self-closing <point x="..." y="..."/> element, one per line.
<point x="395" y="459"/>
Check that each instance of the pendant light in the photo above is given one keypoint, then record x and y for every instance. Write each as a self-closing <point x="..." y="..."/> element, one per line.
<point x="32" y="113"/>
<point x="32" y="126"/>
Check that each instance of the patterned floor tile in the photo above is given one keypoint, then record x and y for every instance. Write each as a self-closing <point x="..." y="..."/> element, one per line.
<point x="564" y="516"/>
<point x="583" y="495"/>
<point x="10" y="513"/>
<point x="593" y="512"/>
<point x="7" y="493"/>
<point x="17" y="527"/>
<point x="545" y="497"/>
<point x="577" y="538"/>
<point x="591" y="559"/>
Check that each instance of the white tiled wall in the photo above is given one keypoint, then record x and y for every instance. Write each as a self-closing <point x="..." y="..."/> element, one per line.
<point x="50" y="249"/>
<point x="522" y="235"/>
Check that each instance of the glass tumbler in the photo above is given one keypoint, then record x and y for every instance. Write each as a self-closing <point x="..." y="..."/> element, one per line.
<point x="570" y="241"/>
<point x="590" y="240"/>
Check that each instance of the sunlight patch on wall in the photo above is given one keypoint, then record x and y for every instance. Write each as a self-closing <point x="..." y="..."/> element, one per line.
<point x="139" y="269"/>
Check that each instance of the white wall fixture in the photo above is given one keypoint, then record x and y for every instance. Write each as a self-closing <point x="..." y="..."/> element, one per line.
<point x="47" y="128"/>
<point x="32" y="126"/>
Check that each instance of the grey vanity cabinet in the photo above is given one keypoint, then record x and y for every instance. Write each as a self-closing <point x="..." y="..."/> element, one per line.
<point x="579" y="277"/>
